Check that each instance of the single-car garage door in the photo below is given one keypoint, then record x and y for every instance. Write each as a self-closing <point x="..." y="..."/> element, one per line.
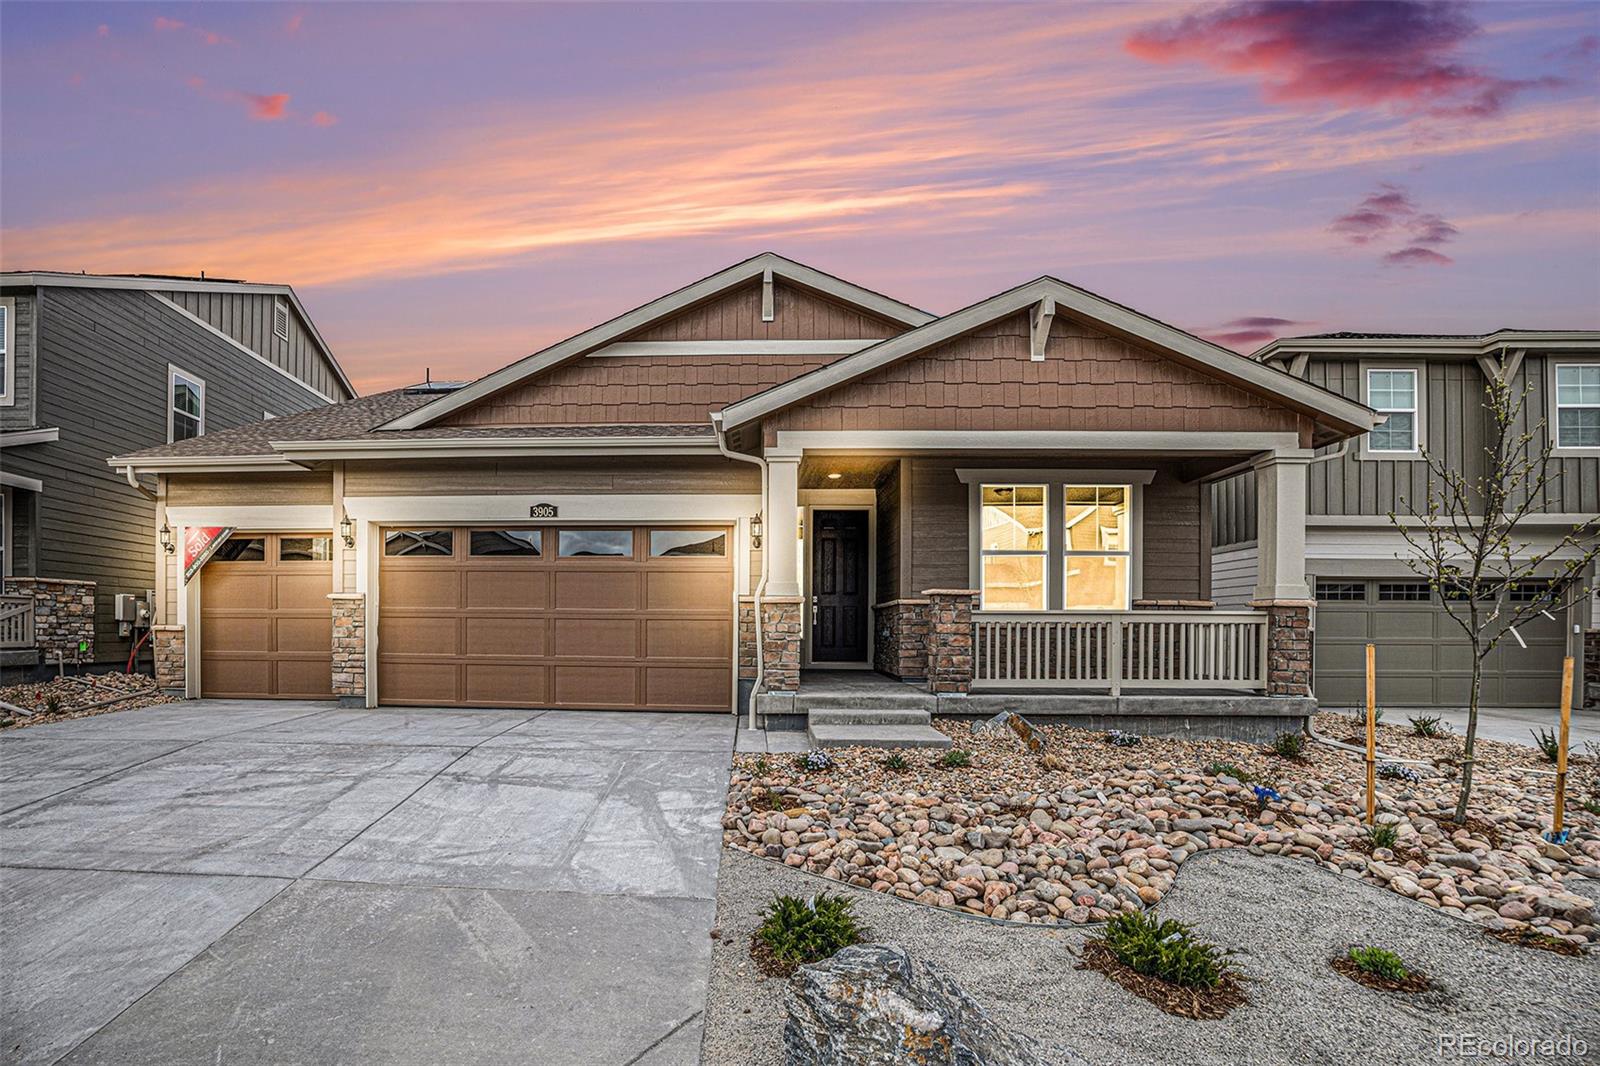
<point x="628" y="618"/>
<point x="1423" y="660"/>
<point x="266" y="629"/>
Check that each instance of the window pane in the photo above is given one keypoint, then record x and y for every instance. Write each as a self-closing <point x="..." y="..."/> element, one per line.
<point x="1578" y="427"/>
<point x="419" y="542"/>
<point x="1391" y="390"/>
<point x="184" y="426"/>
<point x="1404" y="592"/>
<point x="1342" y="591"/>
<point x="242" y="550"/>
<point x="1013" y="518"/>
<point x="185" y="398"/>
<point x="1096" y="518"/>
<point x="1096" y="583"/>
<point x="687" y="542"/>
<point x="1013" y="582"/>
<point x="1396" y="435"/>
<point x="305" y="549"/>
<point x="612" y="542"/>
<point x="505" y="542"/>
<point x="1578" y="384"/>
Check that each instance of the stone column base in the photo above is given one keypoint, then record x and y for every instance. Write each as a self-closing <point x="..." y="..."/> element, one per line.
<point x="950" y="651"/>
<point x="900" y="648"/>
<point x="1288" y="646"/>
<point x="349" y="646"/>
<point x="780" y="644"/>
<point x="170" y="646"/>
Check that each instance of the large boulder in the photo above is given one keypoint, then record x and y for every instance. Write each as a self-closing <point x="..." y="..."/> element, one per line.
<point x="871" y="1005"/>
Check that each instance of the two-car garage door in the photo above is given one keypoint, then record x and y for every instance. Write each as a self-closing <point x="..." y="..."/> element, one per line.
<point x="636" y="617"/>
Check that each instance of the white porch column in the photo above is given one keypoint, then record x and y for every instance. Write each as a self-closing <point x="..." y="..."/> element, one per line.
<point x="1281" y="525"/>
<point x="782" y="541"/>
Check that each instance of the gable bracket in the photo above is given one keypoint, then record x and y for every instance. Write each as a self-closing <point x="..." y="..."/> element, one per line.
<point x="766" y="295"/>
<point x="1501" y="368"/>
<point x="1044" y="313"/>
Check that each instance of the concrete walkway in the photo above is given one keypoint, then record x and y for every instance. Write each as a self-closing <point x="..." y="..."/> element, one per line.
<point x="265" y="882"/>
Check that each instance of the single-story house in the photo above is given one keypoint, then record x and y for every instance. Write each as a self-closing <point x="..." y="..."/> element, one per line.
<point x="768" y="471"/>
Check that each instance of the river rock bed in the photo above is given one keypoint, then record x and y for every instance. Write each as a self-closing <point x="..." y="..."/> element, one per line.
<point x="1083" y="829"/>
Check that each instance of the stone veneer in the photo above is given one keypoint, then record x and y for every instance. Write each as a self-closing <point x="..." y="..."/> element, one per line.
<point x="349" y="645"/>
<point x="169" y="644"/>
<point x="63" y="615"/>
<point x="780" y="644"/>
<point x="950" y="653"/>
<point x="1288" y="646"/>
<point x="1590" y="697"/>
<point x="900" y="647"/>
<point x="747" y="639"/>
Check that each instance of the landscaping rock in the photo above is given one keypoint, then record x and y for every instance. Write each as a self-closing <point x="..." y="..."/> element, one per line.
<point x="872" y="1004"/>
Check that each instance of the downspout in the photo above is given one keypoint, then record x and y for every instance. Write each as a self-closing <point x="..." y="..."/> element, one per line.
<point x="761" y="583"/>
<point x="133" y="479"/>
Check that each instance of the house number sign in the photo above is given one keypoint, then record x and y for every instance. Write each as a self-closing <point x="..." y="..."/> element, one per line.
<point x="542" y="510"/>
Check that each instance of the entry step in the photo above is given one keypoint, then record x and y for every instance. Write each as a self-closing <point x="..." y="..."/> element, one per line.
<point x="867" y="716"/>
<point x="876" y="736"/>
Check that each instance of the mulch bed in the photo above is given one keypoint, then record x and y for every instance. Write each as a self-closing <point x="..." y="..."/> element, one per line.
<point x="766" y="961"/>
<point x="1202" y="1004"/>
<point x="1531" y="938"/>
<point x="1413" y="982"/>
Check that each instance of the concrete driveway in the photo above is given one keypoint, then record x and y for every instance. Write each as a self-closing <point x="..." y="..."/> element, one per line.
<point x="264" y="882"/>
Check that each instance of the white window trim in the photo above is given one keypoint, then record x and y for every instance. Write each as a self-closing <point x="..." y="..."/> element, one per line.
<point x="7" y="516"/>
<point x="1419" y="425"/>
<point x="1553" y="422"/>
<point x="173" y="373"/>
<point x="8" y="392"/>
<point x="278" y="306"/>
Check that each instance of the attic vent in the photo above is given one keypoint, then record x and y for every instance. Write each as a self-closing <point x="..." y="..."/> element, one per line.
<point x="280" y="321"/>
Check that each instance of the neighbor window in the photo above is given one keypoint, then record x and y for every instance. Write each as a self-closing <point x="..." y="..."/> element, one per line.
<point x="1099" y="555"/>
<point x="304" y="549"/>
<point x="688" y="542"/>
<point x="1578" y="405"/>
<point x="1011" y="525"/>
<point x="591" y="542"/>
<point x="504" y="542"/>
<point x="1394" y="393"/>
<point x="241" y="550"/>
<point x="7" y="328"/>
<point x="186" y="405"/>
<point x="419" y="542"/>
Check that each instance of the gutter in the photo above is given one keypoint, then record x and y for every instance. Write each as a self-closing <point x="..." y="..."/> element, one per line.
<point x="761" y="585"/>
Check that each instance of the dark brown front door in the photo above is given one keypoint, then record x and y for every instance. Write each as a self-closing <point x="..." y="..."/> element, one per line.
<point x="839" y="586"/>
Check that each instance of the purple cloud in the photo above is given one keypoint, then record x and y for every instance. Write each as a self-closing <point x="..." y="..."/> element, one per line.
<point x="1390" y="212"/>
<point x="1416" y="255"/>
<point x="1250" y="332"/>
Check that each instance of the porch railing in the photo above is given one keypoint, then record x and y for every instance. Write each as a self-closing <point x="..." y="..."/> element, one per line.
<point x="16" y="622"/>
<point x="1116" y="649"/>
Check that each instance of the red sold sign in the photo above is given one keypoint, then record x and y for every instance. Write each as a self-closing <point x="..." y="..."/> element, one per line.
<point x="199" y="543"/>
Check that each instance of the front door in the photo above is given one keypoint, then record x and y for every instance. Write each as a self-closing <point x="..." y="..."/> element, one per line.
<point x="839" y="586"/>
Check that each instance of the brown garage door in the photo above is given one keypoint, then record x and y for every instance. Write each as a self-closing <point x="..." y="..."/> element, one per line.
<point x="266" y="629"/>
<point x="633" y="618"/>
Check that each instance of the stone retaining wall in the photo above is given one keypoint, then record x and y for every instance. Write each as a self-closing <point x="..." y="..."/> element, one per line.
<point x="900" y="645"/>
<point x="63" y="615"/>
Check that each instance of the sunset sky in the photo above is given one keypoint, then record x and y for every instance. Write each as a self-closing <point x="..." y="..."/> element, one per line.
<point x="455" y="186"/>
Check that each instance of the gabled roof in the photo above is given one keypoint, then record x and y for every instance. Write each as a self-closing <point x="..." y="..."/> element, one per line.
<point x="178" y="283"/>
<point x="1438" y="344"/>
<point x="1114" y="318"/>
<point x="723" y="280"/>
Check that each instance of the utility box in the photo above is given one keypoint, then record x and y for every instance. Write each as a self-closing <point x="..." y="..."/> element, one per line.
<point x="131" y="613"/>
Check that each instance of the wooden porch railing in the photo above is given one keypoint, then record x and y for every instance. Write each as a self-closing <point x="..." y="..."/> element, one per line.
<point x="1109" y="650"/>
<point x="16" y="622"/>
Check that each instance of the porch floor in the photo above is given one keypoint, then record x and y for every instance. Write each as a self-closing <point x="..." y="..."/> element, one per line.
<point x="865" y="683"/>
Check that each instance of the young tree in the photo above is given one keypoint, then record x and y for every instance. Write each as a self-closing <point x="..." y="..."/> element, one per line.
<point x="1466" y="542"/>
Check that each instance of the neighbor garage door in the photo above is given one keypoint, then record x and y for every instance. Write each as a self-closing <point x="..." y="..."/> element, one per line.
<point x="1423" y="660"/>
<point x="266" y="628"/>
<point x="630" y="618"/>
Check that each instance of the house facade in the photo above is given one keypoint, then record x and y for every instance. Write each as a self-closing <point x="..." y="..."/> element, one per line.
<point x="769" y="472"/>
<point x="1432" y="391"/>
<point x="95" y="365"/>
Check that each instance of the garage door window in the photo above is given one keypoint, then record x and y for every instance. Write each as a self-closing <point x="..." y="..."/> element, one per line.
<point x="589" y="543"/>
<point x="305" y="549"/>
<point x="241" y="550"/>
<point x="701" y="542"/>
<point x="416" y="542"/>
<point x="506" y="542"/>
<point x="1341" y="591"/>
<point x="1404" y="592"/>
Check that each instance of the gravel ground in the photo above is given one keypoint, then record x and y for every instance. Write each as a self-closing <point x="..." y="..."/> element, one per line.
<point x="79" y="696"/>
<point x="1284" y="919"/>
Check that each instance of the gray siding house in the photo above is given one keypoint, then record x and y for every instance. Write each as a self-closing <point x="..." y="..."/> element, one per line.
<point x="96" y="365"/>
<point x="1432" y="388"/>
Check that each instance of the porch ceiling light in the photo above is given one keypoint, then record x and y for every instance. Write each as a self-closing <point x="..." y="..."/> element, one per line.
<point x="835" y="476"/>
<point x="167" y="543"/>
<point x="347" y="532"/>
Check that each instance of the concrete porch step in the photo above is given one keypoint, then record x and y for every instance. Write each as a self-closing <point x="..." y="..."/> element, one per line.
<point x="910" y="699"/>
<point x="859" y="715"/>
<point x="876" y="736"/>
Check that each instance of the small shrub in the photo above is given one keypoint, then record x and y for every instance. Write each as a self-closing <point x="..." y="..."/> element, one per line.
<point x="1380" y="962"/>
<point x="761" y="767"/>
<point x="1382" y="836"/>
<point x="955" y="757"/>
<point x="1290" y="745"/>
<point x="1548" y="743"/>
<point x="1592" y="806"/>
<point x="814" y="760"/>
<point x="1165" y="950"/>
<point x="1228" y="769"/>
<point x="1429" y="725"/>
<point x="1399" y="772"/>
<point x="895" y="761"/>
<point x="1122" y="739"/>
<point x="799" y="931"/>
<point x="52" y="704"/>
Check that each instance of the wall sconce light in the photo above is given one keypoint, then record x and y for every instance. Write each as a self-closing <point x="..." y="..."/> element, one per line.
<point x="167" y="543"/>
<point x="347" y="532"/>
<point x="755" y="531"/>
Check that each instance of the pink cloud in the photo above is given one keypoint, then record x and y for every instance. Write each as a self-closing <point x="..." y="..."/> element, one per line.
<point x="294" y="23"/>
<point x="266" y="107"/>
<point x="103" y="30"/>
<point x="324" y="118"/>
<point x="1388" y="53"/>
<point x="1390" y="212"/>
<point x="164" y="24"/>
<point x="1250" y="331"/>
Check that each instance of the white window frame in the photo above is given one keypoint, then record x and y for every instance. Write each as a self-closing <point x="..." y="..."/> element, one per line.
<point x="1042" y="552"/>
<point x="1555" y="407"/>
<point x="279" y="308"/>
<point x="8" y="393"/>
<point x="173" y="373"/>
<point x="1130" y="497"/>
<point x="1419" y="379"/>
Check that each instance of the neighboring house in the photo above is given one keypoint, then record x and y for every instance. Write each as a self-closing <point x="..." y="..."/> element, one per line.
<point x="95" y="365"/>
<point x="1007" y="497"/>
<point x="1432" y="389"/>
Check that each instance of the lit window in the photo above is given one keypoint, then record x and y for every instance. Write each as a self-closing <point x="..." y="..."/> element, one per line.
<point x="1098" y="568"/>
<point x="1578" y="405"/>
<point x="186" y="405"/>
<point x="1012" y="528"/>
<point x="1394" y="393"/>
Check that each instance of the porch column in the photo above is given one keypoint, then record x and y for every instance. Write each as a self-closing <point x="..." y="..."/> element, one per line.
<point x="950" y="644"/>
<point x="782" y="542"/>
<point x="169" y="644"/>
<point x="349" y="648"/>
<point x="1281" y="589"/>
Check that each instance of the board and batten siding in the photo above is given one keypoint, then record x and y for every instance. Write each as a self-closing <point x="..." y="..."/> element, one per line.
<point x="247" y="318"/>
<point x="102" y="356"/>
<point x="19" y="413"/>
